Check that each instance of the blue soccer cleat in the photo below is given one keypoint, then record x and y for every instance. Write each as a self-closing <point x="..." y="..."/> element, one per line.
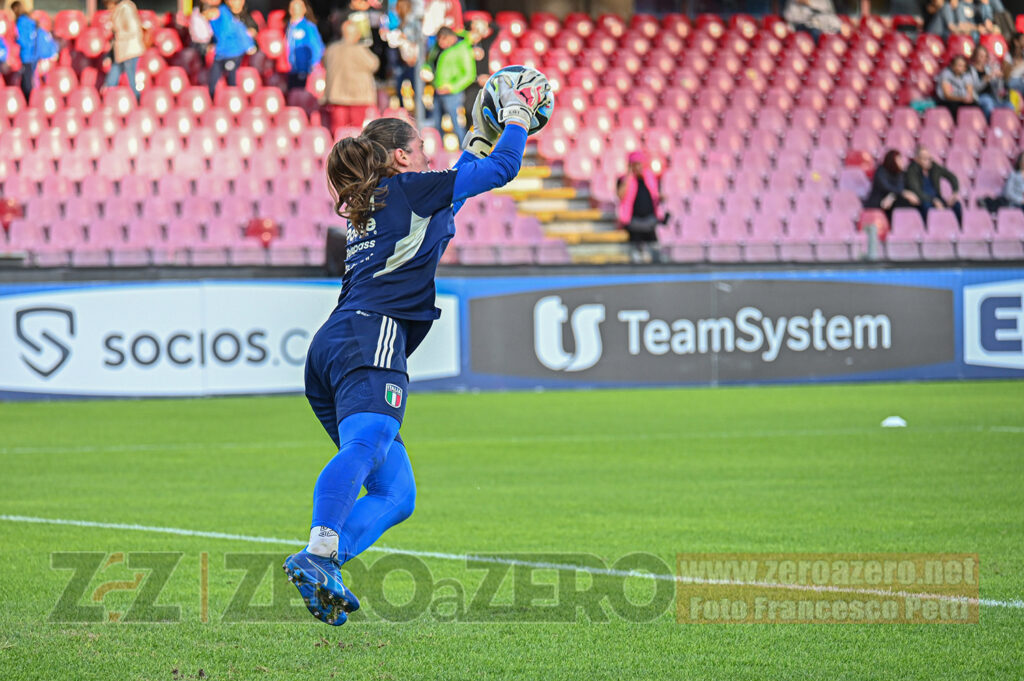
<point x="318" y="580"/>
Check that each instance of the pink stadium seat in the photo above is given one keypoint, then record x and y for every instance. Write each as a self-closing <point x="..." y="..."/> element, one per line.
<point x="835" y="243"/>
<point x="939" y="119"/>
<point x="797" y="244"/>
<point x="943" y="233"/>
<point x="978" y="232"/>
<point x="766" y="231"/>
<point x="967" y="140"/>
<point x="971" y="118"/>
<point x="134" y="187"/>
<point x="988" y="183"/>
<point x="726" y="245"/>
<point x="994" y="160"/>
<point x="906" y="235"/>
<point x="1009" y="241"/>
<point x="1006" y="121"/>
<point x="935" y="141"/>
<point x="75" y="166"/>
<point x="961" y="163"/>
<point x="114" y="166"/>
<point x="158" y="210"/>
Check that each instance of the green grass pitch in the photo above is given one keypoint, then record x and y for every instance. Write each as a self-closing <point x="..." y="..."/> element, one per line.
<point x="541" y="475"/>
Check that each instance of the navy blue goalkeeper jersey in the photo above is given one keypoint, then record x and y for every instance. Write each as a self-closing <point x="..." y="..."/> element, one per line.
<point x="390" y="269"/>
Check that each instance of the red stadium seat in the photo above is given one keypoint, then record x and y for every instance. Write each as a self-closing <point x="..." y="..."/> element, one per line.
<point x="92" y="42"/>
<point x="174" y="79"/>
<point x="121" y="99"/>
<point x="232" y="99"/>
<point x="11" y="101"/>
<point x="167" y="42"/>
<point x="196" y="99"/>
<point x="158" y="100"/>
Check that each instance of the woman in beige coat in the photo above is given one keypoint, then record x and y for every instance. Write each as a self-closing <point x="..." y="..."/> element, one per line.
<point x="128" y="46"/>
<point x="349" y="85"/>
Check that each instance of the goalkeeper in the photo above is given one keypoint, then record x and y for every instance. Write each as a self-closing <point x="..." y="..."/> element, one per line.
<point x="400" y="220"/>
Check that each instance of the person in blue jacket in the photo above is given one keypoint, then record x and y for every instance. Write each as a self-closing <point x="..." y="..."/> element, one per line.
<point x="27" y="36"/>
<point x="305" y="46"/>
<point x="401" y="217"/>
<point x="234" y="33"/>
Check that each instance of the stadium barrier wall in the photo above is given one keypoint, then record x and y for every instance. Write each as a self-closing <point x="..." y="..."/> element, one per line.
<point x="495" y="333"/>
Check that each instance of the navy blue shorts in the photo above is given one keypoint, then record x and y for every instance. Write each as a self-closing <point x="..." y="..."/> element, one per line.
<point x="357" y="363"/>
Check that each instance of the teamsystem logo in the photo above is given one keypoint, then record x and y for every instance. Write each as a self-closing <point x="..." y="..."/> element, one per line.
<point x="549" y="316"/>
<point x="749" y="330"/>
<point x="46" y="333"/>
<point x="994" y="324"/>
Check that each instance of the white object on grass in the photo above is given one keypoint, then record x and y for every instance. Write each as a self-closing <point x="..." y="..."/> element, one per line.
<point x="894" y="422"/>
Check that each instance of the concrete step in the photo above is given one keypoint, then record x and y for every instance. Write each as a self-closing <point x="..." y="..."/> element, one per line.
<point x="572" y="215"/>
<point x="528" y="171"/>
<point x="561" y="206"/>
<point x="599" y="254"/>
<point x="520" y="193"/>
<point x="577" y="238"/>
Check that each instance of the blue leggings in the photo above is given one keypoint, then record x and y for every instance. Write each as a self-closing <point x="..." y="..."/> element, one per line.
<point x="369" y="455"/>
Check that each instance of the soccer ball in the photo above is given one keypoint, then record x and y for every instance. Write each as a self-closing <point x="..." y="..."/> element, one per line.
<point x="490" y="98"/>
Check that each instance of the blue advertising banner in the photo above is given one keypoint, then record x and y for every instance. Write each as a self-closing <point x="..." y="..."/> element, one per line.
<point x="241" y="337"/>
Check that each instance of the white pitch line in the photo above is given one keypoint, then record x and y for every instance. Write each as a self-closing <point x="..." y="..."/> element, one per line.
<point x="513" y="440"/>
<point x="1015" y="603"/>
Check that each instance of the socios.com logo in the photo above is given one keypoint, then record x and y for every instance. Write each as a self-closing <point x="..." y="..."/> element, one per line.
<point x="45" y="333"/>
<point x="994" y="324"/>
<point x="549" y="318"/>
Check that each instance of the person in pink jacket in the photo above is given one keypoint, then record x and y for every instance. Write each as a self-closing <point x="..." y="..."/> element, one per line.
<point x="640" y="207"/>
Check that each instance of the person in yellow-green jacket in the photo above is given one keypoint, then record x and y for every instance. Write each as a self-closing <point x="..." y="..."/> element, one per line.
<point x="451" y="68"/>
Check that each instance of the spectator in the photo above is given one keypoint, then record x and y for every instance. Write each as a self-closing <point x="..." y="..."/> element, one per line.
<point x="233" y="36"/>
<point x="1013" y="190"/>
<point x="438" y="14"/>
<point x="932" y="16"/>
<point x="924" y="177"/>
<point x="1012" y="195"/>
<point x="985" y="16"/>
<point x="452" y="69"/>
<point x="371" y="23"/>
<point x="482" y="35"/>
<point x="199" y="30"/>
<point x="989" y="86"/>
<point x="305" y="47"/>
<point x="3" y="57"/>
<point x="888" y="186"/>
<point x="813" y="16"/>
<point x="954" y="87"/>
<point x="639" y="207"/>
<point x="349" y="85"/>
<point x="405" y="40"/>
<point x="955" y="18"/>
<point x="27" y="39"/>
<point x="128" y="47"/>
<point x="1015" y="64"/>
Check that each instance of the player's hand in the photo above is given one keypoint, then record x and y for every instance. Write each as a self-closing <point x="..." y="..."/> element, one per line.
<point x="481" y="137"/>
<point x="518" y="101"/>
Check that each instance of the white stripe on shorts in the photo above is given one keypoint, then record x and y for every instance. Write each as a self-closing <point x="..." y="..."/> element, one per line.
<point x="391" y="344"/>
<point x="380" y="340"/>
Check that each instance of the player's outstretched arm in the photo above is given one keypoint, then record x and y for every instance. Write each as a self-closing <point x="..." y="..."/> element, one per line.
<point x="484" y="174"/>
<point x="480" y="172"/>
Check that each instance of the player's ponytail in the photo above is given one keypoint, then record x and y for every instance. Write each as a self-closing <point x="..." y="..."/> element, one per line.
<point x="356" y="166"/>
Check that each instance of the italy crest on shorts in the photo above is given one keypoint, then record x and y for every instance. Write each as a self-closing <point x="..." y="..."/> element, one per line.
<point x="393" y="395"/>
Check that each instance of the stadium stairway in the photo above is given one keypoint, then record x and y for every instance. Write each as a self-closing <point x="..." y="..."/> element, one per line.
<point x="566" y="212"/>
